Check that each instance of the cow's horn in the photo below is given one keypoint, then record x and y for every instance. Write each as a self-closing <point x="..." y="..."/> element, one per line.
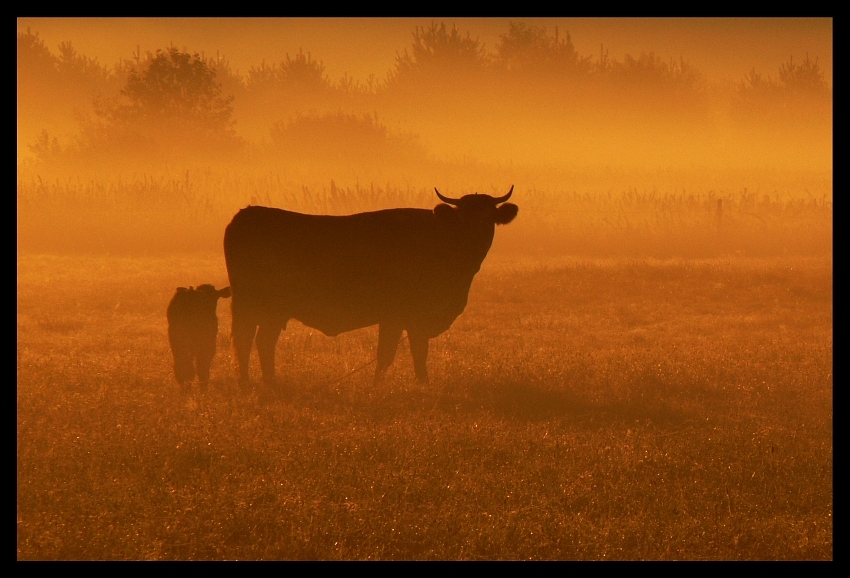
<point x="505" y="198"/>
<point x="447" y="199"/>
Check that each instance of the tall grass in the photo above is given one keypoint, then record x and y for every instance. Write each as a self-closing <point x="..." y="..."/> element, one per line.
<point x="189" y="211"/>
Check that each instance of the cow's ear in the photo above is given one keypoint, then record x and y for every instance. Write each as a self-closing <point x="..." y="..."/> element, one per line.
<point x="444" y="211"/>
<point x="506" y="213"/>
<point x="224" y="292"/>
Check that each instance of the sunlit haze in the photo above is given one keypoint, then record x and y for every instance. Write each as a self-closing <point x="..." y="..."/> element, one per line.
<point x="424" y="288"/>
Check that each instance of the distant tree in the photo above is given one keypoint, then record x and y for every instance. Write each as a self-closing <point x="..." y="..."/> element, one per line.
<point x="299" y="74"/>
<point x="343" y="137"/>
<point x="62" y="85"/>
<point x="77" y="74"/>
<point x="175" y="86"/>
<point x="45" y="148"/>
<point x="529" y="49"/>
<point x="171" y="101"/>
<point x="672" y="90"/>
<point x="76" y="67"/>
<point x="756" y="90"/>
<point x="650" y="71"/>
<point x="34" y="59"/>
<point x="232" y="83"/>
<point x="298" y="83"/>
<point x="805" y="78"/>
<point x="799" y="94"/>
<point x="436" y="52"/>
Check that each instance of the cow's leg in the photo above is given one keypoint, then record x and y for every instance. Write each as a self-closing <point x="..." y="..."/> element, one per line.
<point x="267" y="336"/>
<point x="388" y="338"/>
<point x="419" y="351"/>
<point x="242" y="334"/>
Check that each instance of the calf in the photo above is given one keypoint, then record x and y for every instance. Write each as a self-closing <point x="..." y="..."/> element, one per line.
<point x="192" y="331"/>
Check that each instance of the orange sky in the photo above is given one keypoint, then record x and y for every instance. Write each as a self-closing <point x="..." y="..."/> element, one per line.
<point x="721" y="48"/>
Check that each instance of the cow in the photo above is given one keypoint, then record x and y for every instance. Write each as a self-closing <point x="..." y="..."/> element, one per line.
<point x="403" y="269"/>
<point x="192" y="332"/>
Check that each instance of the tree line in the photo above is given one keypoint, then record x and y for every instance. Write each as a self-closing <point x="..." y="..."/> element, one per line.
<point x="194" y="101"/>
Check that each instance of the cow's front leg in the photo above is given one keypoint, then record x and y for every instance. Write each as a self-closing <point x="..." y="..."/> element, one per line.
<point x="419" y="351"/>
<point x="243" y="339"/>
<point x="267" y="336"/>
<point x="388" y="338"/>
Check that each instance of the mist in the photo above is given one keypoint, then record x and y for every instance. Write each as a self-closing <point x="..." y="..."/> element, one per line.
<point x="290" y="111"/>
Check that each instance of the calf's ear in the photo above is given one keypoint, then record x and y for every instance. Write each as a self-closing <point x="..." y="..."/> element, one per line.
<point x="506" y="213"/>
<point x="224" y="292"/>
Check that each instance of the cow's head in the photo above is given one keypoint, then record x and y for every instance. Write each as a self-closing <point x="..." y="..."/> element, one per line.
<point x="477" y="208"/>
<point x="471" y="219"/>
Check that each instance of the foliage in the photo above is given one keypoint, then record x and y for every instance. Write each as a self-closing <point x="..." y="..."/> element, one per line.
<point x="648" y="69"/>
<point x="298" y="74"/>
<point x="175" y="87"/>
<point x="799" y="95"/>
<point x="53" y="91"/>
<point x="39" y="72"/>
<point x="803" y="78"/>
<point x="46" y="148"/>
<point x="343" y="138"/>
<point x="535" y="82"/>
<point x="34" y="59"/>
<point x="438" y="52"/>
<point x="528" y="49"/>
<point x="171" y="104"/>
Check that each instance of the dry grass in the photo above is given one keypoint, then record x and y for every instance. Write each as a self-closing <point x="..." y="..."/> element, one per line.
<point x="580" y="409"/>
<point x="154" y="215"/>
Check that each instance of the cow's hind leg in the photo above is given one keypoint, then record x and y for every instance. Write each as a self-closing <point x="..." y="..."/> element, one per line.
<point x="419" y="351"/>
<point x="267" y="336"/>
<point x="243" y="338"/>
<point x="388" y="338"/>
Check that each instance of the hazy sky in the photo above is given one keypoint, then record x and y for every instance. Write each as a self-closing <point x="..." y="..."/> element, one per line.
<point x="722" y="48"/>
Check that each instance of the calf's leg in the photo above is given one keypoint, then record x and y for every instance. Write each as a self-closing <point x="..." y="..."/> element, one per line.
<point x="203" y="361"/>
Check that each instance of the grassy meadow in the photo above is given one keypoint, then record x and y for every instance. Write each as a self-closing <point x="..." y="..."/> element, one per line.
<point x="644" y="370"/>
<point x="582" y="408"/>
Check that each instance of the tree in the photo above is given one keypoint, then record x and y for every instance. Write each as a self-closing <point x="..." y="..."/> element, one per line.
<point x="301" y="74"/>
<point x="806" y="78"/>
<point x="171" y="105"/>
<point x="529" y="49"/>
<point x="175" y="89"/>
<point x="800" y="95"/>
<point x="437" y="51"/>
<point x="34" y="58"/>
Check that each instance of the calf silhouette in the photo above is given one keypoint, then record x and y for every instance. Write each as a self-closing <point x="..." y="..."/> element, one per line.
<point x="192" y="331"/>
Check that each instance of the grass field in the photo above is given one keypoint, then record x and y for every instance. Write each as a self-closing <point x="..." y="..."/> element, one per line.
<point x="579" y="409"/>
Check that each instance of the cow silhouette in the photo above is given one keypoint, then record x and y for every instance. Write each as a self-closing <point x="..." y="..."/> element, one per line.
<point x="403" y="269"/>
<point x="192" y="332"/>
